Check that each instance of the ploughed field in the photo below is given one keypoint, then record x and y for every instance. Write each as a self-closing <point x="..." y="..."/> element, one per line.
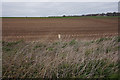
<point x="48" y="28"/>
<point x="31" y="48"/>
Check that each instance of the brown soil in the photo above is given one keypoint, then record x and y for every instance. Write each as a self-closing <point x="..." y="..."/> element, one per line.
<point x="49" y="28"/>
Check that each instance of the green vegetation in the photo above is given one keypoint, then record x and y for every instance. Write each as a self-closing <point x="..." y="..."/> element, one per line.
<point x="50" y="49"/>
<point x="100" y="40"/>
<point x="61" y="59"/>
<point x="65" y="17"/>
<point x="89" y="51"/>
<point x="8" y="46"/>
<point x="64" y="45"/>
<point x="72" y="42"/>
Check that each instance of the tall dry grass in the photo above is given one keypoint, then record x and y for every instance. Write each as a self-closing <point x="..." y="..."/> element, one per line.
<point x="61" y="59"/>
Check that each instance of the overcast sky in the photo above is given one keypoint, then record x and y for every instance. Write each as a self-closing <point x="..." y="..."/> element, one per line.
<point x="44" y="9"/>
<point x="60" y="0"/>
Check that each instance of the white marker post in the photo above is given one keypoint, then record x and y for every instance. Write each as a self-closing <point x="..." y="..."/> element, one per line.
<point x="59" y="36"/>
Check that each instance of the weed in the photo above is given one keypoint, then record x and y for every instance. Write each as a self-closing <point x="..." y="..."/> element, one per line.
<point x="64" y="45"/>
<point x="72" y="42"/>
<point x="114" y="76"/>
<point x="92" y="41"/>
<point x="76" y="49"/>
<point x="56" y="43"/>
<point x="118" y="38"/>
<point x="39" y="46"/>
<point x="89" y="51"/>
<point x="50" y="49"/>
<point x="63" y="55"/>
<point x="100" y="40"/>
<point x="108" y="50"/>
<point x="6" y="49"/>
<point x="87" y="43"/>
<point x="9" y="44"/>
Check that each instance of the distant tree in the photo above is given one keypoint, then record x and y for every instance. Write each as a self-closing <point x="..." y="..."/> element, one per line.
<point x="64" y="16"/>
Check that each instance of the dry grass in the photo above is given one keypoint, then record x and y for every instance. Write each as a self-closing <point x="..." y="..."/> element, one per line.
<point x="61" y="59"/>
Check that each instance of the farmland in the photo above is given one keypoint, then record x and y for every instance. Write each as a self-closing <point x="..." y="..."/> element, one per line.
<point x="87" y="48"/>
<point x="48" y="28"/>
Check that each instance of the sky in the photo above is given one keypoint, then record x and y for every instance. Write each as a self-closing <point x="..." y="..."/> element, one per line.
<point x="60" y="0"/>
<point x="44" y="9"/>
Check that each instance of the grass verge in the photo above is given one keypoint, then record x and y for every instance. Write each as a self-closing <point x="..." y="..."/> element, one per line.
<point x="61" y="59"/>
